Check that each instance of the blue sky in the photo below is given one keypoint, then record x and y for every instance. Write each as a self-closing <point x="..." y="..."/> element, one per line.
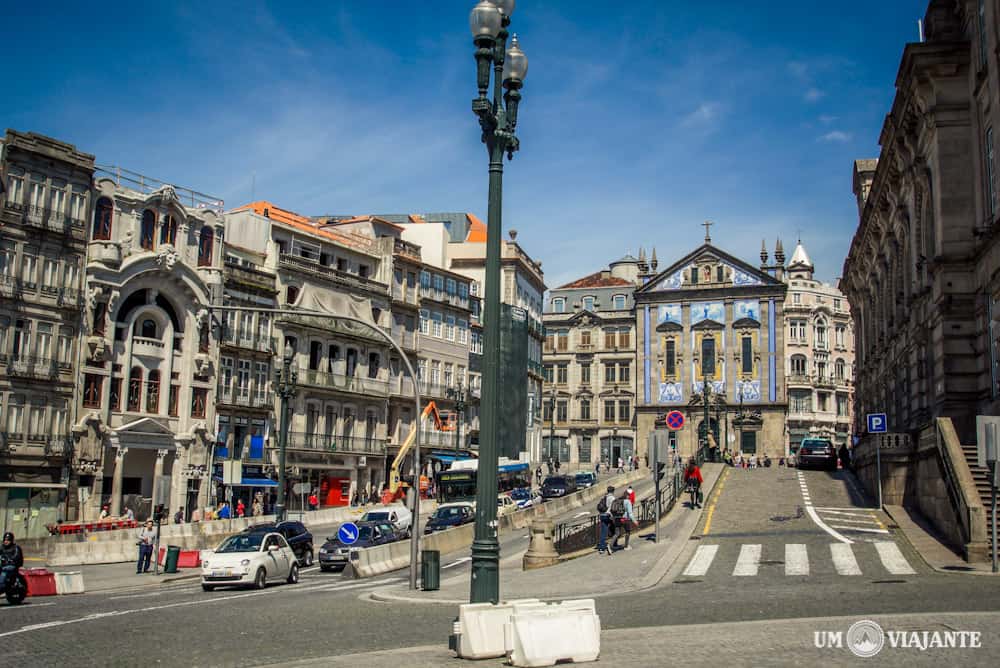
<point x="639" y="120"/>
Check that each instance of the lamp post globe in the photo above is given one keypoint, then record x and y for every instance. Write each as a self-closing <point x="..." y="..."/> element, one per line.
<point x="515" y="65"/>
<point x="506" y="7"/>
<point x="485" y="20"/>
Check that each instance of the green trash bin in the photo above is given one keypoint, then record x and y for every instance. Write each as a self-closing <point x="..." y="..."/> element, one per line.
<point x="173" y="554"/>
<point x="430" y="570"/>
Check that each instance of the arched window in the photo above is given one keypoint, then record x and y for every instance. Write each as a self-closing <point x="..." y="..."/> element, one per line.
<point x="148" y="230"/>
<point x="205" y="247"/>
<point x="839" y="369"/>
<point x="135" y="388"/>
<point x="153" y="392"/>
<point x="168" y="231"/>
<point x="102" y="219"/>
<point x="821" y="341"/>
<point x="588" y="304"/>
<point x="146" y="329"/>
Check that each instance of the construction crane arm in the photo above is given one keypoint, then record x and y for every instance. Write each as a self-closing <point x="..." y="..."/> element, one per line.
<point x="430" y="411"/>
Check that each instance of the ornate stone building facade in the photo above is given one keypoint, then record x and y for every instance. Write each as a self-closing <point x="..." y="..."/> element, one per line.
<point x="819" y="355"/>
<point x="148" y="374"/>
<point x="45" y="191"/>
<point x="921" y="274"/>
<point x="710" y="319"/>
<point x="590" y="372"/>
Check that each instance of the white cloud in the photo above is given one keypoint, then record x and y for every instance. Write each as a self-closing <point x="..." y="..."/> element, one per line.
<point x="836" y="136"/>
<point x="826" y="119"/>
<point x="813" y="95"/>
<point x="704" y="116"/>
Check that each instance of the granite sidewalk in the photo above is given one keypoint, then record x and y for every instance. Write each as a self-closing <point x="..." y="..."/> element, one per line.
<point x="590" y="576"/>
<point x="924" y="539"/>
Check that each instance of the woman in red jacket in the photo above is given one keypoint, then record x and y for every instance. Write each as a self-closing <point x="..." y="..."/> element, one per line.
<point x="692" y="478"/>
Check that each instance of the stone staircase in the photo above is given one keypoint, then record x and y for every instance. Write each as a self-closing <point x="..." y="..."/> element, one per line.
<point x="981" y="476"/>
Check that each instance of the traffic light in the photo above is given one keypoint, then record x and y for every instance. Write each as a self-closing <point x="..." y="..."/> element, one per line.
<point x="158" y="512"/>
<point x="659" y="472"/>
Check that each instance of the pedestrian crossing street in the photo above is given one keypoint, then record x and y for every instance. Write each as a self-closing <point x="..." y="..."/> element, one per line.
<point x="798" y="559"/>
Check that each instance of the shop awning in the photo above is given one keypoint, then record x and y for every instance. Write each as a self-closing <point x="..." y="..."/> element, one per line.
<point x="251" y="482"/>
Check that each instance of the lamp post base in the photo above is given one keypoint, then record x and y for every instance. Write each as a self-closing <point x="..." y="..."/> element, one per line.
<point x="485" y="571"/>
<point x="279" y="512"/>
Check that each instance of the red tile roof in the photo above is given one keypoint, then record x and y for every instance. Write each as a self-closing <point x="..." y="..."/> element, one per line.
<point x="596" y="280"/>
<point x="304" y="224"/>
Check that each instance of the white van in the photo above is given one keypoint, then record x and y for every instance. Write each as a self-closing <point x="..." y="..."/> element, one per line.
<point x="398" y="515"/>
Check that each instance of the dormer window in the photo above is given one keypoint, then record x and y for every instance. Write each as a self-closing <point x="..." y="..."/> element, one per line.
<point x="559" y="305"/>
<point x="588" y="303"/>
<point x="619" y="302"/>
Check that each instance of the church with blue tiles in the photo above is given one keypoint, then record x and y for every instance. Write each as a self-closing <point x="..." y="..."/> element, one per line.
<point x="710" y="344"/>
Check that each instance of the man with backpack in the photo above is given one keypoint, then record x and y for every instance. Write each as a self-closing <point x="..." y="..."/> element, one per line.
<point x="605" y="519"/>
<point x="623" y="517"/>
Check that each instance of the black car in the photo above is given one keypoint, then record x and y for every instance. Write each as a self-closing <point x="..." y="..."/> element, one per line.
<point x="298" y="536"/>
<point x="450" y="515"/>
<point x="558" y="485"/>
<point x="335" y="554"/>
<point x="817" y="452"/>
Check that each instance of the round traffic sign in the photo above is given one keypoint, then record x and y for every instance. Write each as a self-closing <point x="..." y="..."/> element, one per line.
<point x="348" y="533"/>
<point x="675" y="420"/>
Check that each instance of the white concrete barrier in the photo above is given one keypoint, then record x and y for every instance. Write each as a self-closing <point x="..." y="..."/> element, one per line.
<point x="543" y="635"/>
<point x="69" y="583"/>
<point x="479" y="632"/>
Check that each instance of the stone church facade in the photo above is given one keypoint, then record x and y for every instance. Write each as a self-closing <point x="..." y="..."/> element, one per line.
<point x="712" y="324"/>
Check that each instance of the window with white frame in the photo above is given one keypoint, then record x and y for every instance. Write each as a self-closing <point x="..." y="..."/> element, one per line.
<point x="422" y="368"/>
<point x="425" y="321"/>
<point x="449" y="374"/>
<point x="460" y="376"/>
<point x="438" y="282"/>
<point x="260" y="381"/>
<point x="15" y="414"/>
<point x="463" y="331"/>
<point x="15" y="185"/>
<point x="7" y="256"/>
<point x="50" y="273"/>
<point x="78" y="203"/>
<point x="477" y="342"/>
<point x="243" y="379"/>
<point x="57" y="198"/>
<point x="226" y="368"/>
<point x="69" y="275"/>
<point x="558" y="305"/>
<point x="619" y="302"/>
<point x="463" y="290"/>
<point x="436" y="319"/>
<point x="43" y="340"/>
<point x="65" y="350"/>
<point x="449" y="329"/>
<point x="36" y="192"/>
<point x="588" y="303"/>
<point x="29" y="266"/>
<point x="435" y="372"/>
<point x="425" y="279"/>
<point x="450" y="287"/>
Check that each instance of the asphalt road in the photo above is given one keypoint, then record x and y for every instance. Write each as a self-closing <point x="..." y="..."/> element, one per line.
<point x="325" y="613"/>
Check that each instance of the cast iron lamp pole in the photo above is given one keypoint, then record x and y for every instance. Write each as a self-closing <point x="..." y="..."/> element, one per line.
<point x="285" y="378"/>
<point x="498" y="119"/>
<point x="458" y="394"/>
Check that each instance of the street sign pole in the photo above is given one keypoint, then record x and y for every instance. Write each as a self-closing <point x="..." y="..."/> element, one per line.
<point x="993" y="490"/>
<point x="878" y="469"/>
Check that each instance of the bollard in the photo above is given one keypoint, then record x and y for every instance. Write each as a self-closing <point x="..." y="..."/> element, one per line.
<point x="542" y="549"/>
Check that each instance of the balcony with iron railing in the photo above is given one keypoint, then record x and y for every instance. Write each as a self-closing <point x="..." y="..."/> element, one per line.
<point x="823" y="382"/>
<point x="343" y="383"/>
<point x="125" y="178"/>
<point x="406" y="249"/>
<point x="445" y="297"/>
<point x="234" y="395"/>
<point x="798" y="380"/>
<point x="29" y="366"/>
<point x="49" y="220"/>
<point x="303" y="440"/>
<point x="436" y="390"/>
<point x="255" y="276"/>
<point x="52" y="445"/>
<point x="405" y="294"/>
<point x="404" y="338"/>
<point x="247" y="340"/>
<point x="329" y="273"/>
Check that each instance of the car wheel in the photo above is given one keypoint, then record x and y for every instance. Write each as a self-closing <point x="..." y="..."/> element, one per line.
<point x="260" y="580"/>
<point x="293" y="574"/>
<point x="206" y="587"/>
<point x="309" y="559"/>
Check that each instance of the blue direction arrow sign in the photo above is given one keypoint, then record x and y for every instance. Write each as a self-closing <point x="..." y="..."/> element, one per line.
<point x="348" y="533"/>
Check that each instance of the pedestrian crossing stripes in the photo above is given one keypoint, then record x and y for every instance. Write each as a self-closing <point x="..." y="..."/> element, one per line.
<point x="842" y="556"/>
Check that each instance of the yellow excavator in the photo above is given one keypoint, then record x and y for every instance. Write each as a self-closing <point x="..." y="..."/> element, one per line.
<point x="397" y="486"/>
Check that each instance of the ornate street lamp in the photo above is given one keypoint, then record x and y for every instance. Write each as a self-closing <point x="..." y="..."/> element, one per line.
<point x="498" y="119"/>
<point x="286" y="377"/>
<point x="458" y="394"/>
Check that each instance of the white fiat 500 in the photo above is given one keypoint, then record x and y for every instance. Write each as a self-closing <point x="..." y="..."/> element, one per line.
<point x="249" y="559"/>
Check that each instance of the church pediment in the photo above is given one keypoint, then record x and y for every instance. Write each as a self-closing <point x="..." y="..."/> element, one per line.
<point x="714" y="268"/>
<point x="746" y="323"/>
<point x="669" y="326"/>
<point x="585" y="318"/>
<point x="147" y="426"/>
<point x="707" y="324"/>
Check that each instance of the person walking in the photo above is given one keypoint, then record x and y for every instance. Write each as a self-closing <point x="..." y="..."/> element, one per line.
<point x="557" y="465"/>
<point x="224" y="512"/>
<point x="258" y="508"/>
<point x="538" y="475"/>
<point x="605" y="519"/>
<point x="147" y="536"/>
<point x="623" y="517"/>
<point x="241" y="508"/>
<point x="313" y="501"/>
<point x="621" y="465"/>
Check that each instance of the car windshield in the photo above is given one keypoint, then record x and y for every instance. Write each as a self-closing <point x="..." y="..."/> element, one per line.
<point x="372" y="517"/>
<point x="447" y="513"/>
<point x="555" y="482"/>
<point x="247" y="542"/>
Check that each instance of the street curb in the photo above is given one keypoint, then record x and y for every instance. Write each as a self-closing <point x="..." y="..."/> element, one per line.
<point x="936" y="569"/>
<point x="151" y="585"/>
<point x="650" y="580"/>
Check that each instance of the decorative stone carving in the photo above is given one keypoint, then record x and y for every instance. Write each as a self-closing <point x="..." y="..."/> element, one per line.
<point x="166" y="256"/>
<point x="203" y="364"/>
<point x="97" y="348"/>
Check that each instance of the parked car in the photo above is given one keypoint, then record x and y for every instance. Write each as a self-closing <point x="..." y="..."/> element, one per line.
<point x="249" y="559"/>
<point x="506" y="505"/>
<point x="524" y="497"/>
<point x="335" y="554"/>
<point x="817" y="452"/>
<point x="450" y="515"/>
<point x="556" y="486"/>
<point x="586" y="479"/>
<point x="398" y="515"/>
<point x="297" y="535"/>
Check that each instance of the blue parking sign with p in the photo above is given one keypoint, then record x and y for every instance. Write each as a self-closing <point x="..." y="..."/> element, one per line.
<point x="877" y="424"/>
